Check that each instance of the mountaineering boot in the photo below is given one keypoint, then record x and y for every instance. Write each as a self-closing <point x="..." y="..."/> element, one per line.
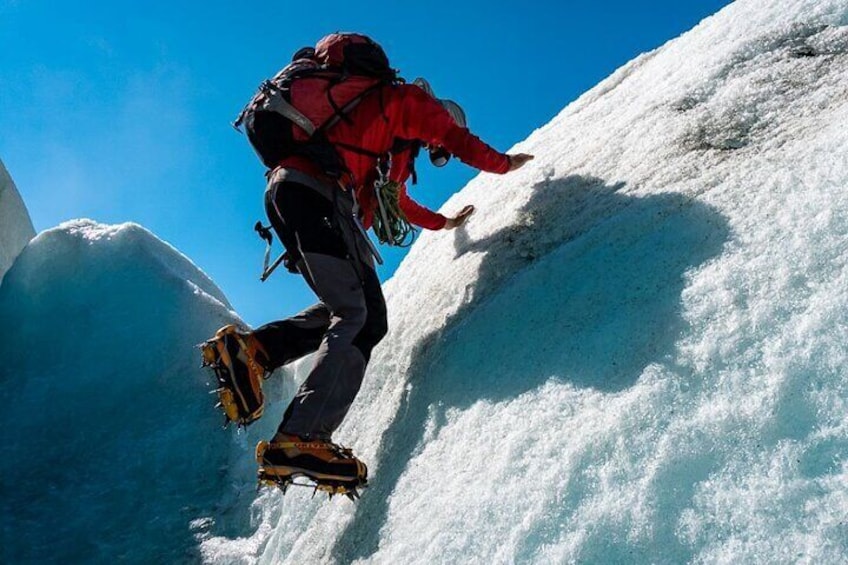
<point x="334" y="469"/>
<point x="240" y="364"/>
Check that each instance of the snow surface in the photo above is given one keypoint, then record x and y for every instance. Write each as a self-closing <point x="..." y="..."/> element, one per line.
<point x="635" y="351"/>
<point x="112" y="449"/>
<point x="15" y="226"/>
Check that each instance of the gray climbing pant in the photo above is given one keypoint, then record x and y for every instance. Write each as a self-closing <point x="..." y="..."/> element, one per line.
<point x="317" y="229"/>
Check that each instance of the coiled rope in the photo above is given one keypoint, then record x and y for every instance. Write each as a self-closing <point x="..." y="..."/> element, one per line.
<point x="391" y="225"/>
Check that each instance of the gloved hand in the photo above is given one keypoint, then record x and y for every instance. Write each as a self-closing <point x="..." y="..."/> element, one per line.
<point x="519" y="160"/>
<point x="460" y="218"/>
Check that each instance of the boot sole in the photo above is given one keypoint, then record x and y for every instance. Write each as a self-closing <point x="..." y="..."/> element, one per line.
<point x="284" y="472"/>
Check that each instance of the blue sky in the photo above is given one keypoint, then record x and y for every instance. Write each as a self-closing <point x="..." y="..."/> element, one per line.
<point x="120" y="111"/>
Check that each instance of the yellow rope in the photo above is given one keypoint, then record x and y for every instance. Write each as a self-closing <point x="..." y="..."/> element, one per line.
<point x="390" y="223"/>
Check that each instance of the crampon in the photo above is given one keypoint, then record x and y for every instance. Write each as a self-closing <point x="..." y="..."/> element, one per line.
<point x="235" y="358"/>
<point x="321" y="466"/>
<point x="350" y="489"/>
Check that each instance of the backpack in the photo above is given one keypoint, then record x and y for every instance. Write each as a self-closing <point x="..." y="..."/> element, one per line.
<point x="291" y="113"/>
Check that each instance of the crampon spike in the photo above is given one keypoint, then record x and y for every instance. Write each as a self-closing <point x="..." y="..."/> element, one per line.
<point x="281" y="484"/>
<point x="332" y="488"/>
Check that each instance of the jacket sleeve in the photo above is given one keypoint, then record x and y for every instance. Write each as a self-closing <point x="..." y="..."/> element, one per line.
<point x="422" y="117"/>
<point x="418" y="214"/>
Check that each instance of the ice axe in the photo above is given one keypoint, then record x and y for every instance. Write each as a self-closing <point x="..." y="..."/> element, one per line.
<point x="265" y="233"/>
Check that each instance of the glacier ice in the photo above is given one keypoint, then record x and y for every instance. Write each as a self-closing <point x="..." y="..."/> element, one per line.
<point x="112" y="448"/>
<point x="635" y="350"/>
<point x="15" y="225"/>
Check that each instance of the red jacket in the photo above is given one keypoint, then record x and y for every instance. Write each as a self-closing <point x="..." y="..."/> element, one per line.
<point x="398" y="111"/>
<point x="418" y="214"/>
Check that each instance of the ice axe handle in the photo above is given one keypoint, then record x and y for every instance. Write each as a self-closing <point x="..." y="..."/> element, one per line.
<point x="271" y="268"/>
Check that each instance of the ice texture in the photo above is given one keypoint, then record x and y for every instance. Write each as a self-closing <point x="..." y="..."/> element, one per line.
<point x="635" y="352"/>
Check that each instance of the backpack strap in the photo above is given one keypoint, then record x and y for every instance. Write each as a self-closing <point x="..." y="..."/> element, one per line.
<point x="358" y="150"/>
<point x="278" y="104"/>
<point x="342" y="113"/>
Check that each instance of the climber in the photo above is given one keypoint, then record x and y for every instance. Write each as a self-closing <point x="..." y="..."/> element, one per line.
<point x="322" y="126"/>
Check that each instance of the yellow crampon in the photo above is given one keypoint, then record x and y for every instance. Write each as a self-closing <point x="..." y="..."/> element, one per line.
<point x="268" y="476"/>
<point x="349" y="490"/>
<point x="233" y="357"/>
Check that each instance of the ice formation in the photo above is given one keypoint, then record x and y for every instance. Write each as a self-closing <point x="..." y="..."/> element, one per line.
<point x="635" y="352"/>
<point x="15" y="226"/>
<point x="113" y="450"/>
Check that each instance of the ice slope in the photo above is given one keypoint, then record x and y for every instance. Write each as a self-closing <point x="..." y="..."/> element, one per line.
<point x="112" y="450"/>
<point x="15" y="226"/>
<point x="636" y="351"/>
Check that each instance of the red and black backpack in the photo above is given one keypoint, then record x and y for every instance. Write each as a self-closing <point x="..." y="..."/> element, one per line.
<point x="292" y="112"/>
